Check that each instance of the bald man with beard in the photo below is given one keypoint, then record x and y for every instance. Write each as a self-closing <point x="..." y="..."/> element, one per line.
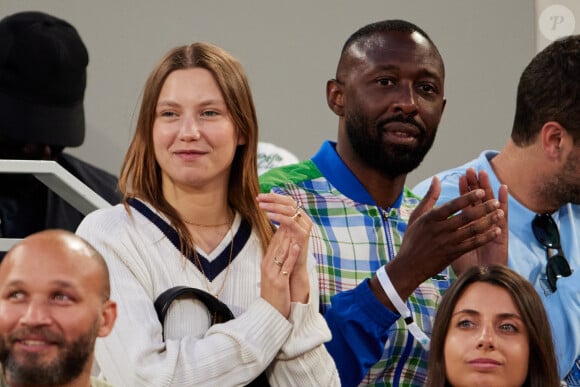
<point x="54" y="303"/>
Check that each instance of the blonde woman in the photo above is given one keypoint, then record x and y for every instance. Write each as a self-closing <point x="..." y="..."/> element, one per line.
<point x="192" y="216"/>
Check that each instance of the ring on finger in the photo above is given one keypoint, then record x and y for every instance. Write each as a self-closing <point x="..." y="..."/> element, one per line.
<point x="278" y="261"/>
<point x="297" y="214"/>
<point x="284" y="272"/>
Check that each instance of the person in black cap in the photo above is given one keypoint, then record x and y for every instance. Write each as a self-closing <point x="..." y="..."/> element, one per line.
<point x="42" y="83"/>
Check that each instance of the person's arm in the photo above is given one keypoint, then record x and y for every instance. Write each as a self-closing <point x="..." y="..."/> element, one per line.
<point x="431" y="242"/>
<point x="303" y="359"/>
<point x="437" y="236"/>
<point x="303" y="355"/>
<point x="563" y="308"/>
<point x="135" y="354"/>
<point x="359" y="324"/>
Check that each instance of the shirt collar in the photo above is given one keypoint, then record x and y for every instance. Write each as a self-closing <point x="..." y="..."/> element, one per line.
<point x="341" y="177"/>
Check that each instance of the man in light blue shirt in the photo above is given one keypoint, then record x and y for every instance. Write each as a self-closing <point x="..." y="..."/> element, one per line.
<point x="540" y="164"/>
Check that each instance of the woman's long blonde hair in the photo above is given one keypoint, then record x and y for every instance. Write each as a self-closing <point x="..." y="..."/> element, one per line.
<point x="141" y="175"/>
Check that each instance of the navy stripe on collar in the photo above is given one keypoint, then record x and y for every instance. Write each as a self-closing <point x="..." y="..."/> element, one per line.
<point x="211" y="269"/>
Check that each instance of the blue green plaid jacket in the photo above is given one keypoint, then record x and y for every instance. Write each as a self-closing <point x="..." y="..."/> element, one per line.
<point x="352" y="237"/>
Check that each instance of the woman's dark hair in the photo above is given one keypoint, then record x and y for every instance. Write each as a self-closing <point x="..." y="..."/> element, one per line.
<point x="542" y="365"/>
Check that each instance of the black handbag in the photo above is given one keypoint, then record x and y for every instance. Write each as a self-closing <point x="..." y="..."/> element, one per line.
<point x="218" y="310"/>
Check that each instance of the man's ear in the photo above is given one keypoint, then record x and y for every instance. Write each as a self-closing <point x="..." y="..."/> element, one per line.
<point x="108" y="317"/>
<point x="555" y="140"/>
<point x="335" y="96"/>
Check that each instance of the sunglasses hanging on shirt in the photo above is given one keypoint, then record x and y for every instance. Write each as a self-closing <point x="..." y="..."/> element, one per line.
<point x="546" y="232"/>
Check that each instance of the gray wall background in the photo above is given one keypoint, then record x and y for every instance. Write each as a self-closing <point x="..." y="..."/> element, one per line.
<point x="289" y="49"/>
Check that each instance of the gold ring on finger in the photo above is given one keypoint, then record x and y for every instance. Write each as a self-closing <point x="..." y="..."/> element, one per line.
<point x="296" y="215"/>
<point x="284" y="272"/>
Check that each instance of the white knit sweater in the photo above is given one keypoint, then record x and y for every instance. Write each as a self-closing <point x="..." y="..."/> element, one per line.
<point x="143" y="263"/>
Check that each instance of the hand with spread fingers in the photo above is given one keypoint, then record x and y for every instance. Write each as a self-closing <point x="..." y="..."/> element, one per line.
<point x="496" y="251"/>
<point x="437" y="236"/>
<point x="295" y="226"/>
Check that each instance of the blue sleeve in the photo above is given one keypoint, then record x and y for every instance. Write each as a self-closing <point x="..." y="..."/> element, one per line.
<point x="422" y="188"/>
<point x="359" y="324"/>
<point x="563" y="309"/>
<point x="449" y="187"/>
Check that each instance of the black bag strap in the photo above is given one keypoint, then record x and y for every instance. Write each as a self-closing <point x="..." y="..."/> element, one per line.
<point x="218" y="310"/>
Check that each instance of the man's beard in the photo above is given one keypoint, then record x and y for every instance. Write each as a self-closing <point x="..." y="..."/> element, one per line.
<point x="29" y="368"/>
<point x="392" y="160"/>
<point x="563" y="187"/>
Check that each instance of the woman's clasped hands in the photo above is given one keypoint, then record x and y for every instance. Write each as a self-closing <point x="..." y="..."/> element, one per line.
<point x="284" y="272"/>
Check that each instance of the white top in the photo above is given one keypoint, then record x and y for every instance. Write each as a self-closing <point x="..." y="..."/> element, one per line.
<point x="143" y="262"/>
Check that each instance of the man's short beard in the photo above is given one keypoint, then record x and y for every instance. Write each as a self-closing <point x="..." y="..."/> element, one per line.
<point x="391" y="160"/>
<point x="70" y="363"/>
<point x="564" y="186"/>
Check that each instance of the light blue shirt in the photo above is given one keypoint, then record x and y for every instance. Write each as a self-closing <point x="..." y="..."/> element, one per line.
<point x="527" y="257"/>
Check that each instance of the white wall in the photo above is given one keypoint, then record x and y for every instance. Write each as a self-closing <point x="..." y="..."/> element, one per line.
<point x="556" y="18"/>
<point x="289" y="49"/>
